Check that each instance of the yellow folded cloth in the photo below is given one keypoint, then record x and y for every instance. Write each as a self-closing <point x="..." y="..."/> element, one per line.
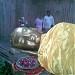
<point x="57" y="49"/>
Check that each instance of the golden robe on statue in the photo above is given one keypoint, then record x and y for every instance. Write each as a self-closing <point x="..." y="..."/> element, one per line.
<point x="57" y="49"/>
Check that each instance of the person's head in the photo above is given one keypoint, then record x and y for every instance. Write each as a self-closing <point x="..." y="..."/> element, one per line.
<point x="39" y="16"/>
<point x="48" y="12"/>
<point x="22" y="18"/>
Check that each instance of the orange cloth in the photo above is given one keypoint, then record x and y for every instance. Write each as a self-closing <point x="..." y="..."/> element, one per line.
<point x="57" y="49"/>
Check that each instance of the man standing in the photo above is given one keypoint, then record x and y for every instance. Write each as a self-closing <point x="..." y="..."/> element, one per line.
<point x="48" y="22"/>
<point x="38" y="22"/>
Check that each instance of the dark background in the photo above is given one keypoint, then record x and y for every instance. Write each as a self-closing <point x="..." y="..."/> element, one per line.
<point x="12" y="10"/>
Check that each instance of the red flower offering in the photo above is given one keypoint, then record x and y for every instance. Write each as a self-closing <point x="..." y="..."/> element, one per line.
<point x="27" y="63"/>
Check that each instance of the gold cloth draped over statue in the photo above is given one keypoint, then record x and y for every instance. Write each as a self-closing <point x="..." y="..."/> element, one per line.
<point x="57" y="49"/>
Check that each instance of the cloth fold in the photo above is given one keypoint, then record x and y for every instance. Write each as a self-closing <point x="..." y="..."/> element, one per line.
<point x="57" y="49"/>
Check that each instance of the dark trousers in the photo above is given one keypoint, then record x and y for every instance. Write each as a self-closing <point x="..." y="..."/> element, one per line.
<point x="46" y="30"/>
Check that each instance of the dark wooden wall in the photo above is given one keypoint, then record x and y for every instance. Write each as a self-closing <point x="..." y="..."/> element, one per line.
<point x="12" y="10"/>
<point x="62" y="10"/>
<point x="30" y="9"/>
<point x="7" y="17"/>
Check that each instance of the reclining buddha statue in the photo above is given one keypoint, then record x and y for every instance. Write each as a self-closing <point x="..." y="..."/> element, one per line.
<point x="25" y="38"/>
<point x="56" y="51"/>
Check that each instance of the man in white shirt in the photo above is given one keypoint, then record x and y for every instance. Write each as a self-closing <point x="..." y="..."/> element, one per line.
<point x="48" y="22"/>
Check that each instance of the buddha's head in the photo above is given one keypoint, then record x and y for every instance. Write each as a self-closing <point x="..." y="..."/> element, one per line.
<point x="26" y="38"/>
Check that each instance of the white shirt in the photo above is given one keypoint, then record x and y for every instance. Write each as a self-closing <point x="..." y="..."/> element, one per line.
<point x="48" y="21"/>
